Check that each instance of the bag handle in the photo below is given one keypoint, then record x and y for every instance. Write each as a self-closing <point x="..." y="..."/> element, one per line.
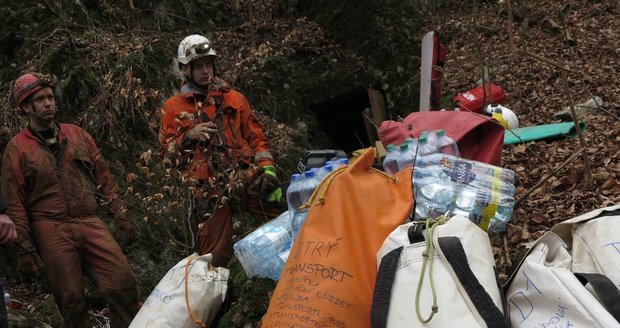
<point x="383" y="288"/>
<point x="454" y="253"/>
<point x="607" y="292"/>
<point x="387" y="271"/>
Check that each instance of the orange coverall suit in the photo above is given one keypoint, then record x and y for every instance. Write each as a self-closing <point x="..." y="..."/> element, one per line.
<point x="244" y="141"/>
<point x="54" y="193"/>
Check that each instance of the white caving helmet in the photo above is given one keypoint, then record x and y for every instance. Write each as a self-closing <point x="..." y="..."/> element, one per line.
<point x="192" y="47"/>
<point x="503" y="115"/>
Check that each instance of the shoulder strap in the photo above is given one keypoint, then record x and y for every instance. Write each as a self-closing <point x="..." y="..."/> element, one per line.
<point x="455" y="254"/>
<point x="607" y="292"/>
<point x="383" y="288"/>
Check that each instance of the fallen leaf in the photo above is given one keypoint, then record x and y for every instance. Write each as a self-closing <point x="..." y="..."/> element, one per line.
<point x="538" y="217"/>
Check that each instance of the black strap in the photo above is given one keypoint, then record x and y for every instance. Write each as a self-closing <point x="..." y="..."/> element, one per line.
<point x="609" y="213"/>
<point x="607" y="292"/>
<point x="414" y="233"/>
<point x="455" y="254"/>
<point x="383" y="289"/>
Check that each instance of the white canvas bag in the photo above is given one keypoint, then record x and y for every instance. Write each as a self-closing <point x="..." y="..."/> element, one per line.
<point x="167" y="306"/>
<point x="459" y="281"/>
<point x="594" y="241"/>
<point x="543" y="292"/>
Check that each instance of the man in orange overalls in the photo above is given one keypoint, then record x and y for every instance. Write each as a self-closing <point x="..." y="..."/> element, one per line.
<point x="210" y="131"/>
<point x="51" y="175"/>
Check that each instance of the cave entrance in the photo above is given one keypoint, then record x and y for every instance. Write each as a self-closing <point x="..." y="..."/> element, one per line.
<point x="346" y="119"/>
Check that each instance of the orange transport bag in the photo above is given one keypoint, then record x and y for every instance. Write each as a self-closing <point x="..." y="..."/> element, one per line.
<point x="329" y="277"/>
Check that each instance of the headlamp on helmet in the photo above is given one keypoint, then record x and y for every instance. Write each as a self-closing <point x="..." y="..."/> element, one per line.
<point x="30" y="83"/>
<point x="193" y="47"/>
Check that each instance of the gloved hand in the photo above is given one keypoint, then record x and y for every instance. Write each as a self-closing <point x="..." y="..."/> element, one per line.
<point x="125" y="230"/>
<point x="28" y="264"/>
<point x="268" y="185"/>
<point x="202" y="131"/>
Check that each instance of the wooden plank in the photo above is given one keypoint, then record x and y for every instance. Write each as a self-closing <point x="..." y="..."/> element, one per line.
<point x="377" y="106"/>
<point x="426" y="71"/>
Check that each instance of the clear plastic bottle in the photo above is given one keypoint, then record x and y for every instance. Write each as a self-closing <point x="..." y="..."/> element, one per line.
<point x="293" y="195"/>
<point x="273" y="237"/>
<point x="413" y="145"/>
<point x="491" y="210"/>
<point x="406" y="159"/>
<point x="306" y="190"/>
<point x="504" y="174"/>
<point x="446" y="145"/>
<point x="466" y="176"/>
<point x="434" y="194"/>
<point x="341" y="162"/>
<point x="324" y="171"/>
<point x="278" y="264"/>
<point x="390" y="162"/>
<point x="425" y="148"/>
<point x="258" y="251"/>
<point x="431" y="138"/>
<point x="309" y="183"/>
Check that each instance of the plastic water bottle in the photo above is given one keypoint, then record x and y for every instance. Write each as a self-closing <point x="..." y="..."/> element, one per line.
<point x="306" y="189"/>
<point x="464" y="175"/>
<point x="485" y="200"/>
<point x="324" y="171"/>
<point x="406" y="159"/>
<point x="390" y="162"/>
<point x="273" y="237"/>
<point x="340" y="162"/>
<point x="504" y="174"/>
<point x="446" y="144"/>
<point x="258" y="251"/>
<point x="425" y="148"/>
<point x="413" y="145"/>
<point x="431" y="137"/>
<point x="280" y="261"/>
<point x="293" y="196"/>
<point x="434" y="194"/>
<point x="309" y="183"/>
<point x="491" y="210"/>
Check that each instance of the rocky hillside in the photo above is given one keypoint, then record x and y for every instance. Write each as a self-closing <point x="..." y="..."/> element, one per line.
<point x="114" y="63"/>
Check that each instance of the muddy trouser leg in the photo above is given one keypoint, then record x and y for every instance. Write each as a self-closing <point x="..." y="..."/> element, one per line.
<point x="113" y="274"/>
<point x="60" y="249"/>
<point x="215" y="236"/>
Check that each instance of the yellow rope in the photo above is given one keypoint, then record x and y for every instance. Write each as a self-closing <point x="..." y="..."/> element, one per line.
<point x="189" y="308"/>
<point x="428" y="255"/>
<point x="328" y="181"/>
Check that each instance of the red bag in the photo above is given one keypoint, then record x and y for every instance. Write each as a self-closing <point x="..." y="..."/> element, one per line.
<point x="473" y="100"/>
<point x="478" y="137"/>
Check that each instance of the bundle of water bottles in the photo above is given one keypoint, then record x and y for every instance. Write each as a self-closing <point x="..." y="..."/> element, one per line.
<point x="264" y="251"/>
<point x="444" y="183"/>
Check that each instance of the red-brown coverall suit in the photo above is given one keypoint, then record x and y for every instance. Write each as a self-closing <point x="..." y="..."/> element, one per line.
<point x="54" y="193"/>
<point x="245" y="141"/>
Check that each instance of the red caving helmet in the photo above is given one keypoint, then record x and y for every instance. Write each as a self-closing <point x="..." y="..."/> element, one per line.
<point x="30" y="83"/>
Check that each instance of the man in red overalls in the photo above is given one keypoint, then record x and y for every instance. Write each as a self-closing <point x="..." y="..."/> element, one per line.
<point x="51" y="175"/>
